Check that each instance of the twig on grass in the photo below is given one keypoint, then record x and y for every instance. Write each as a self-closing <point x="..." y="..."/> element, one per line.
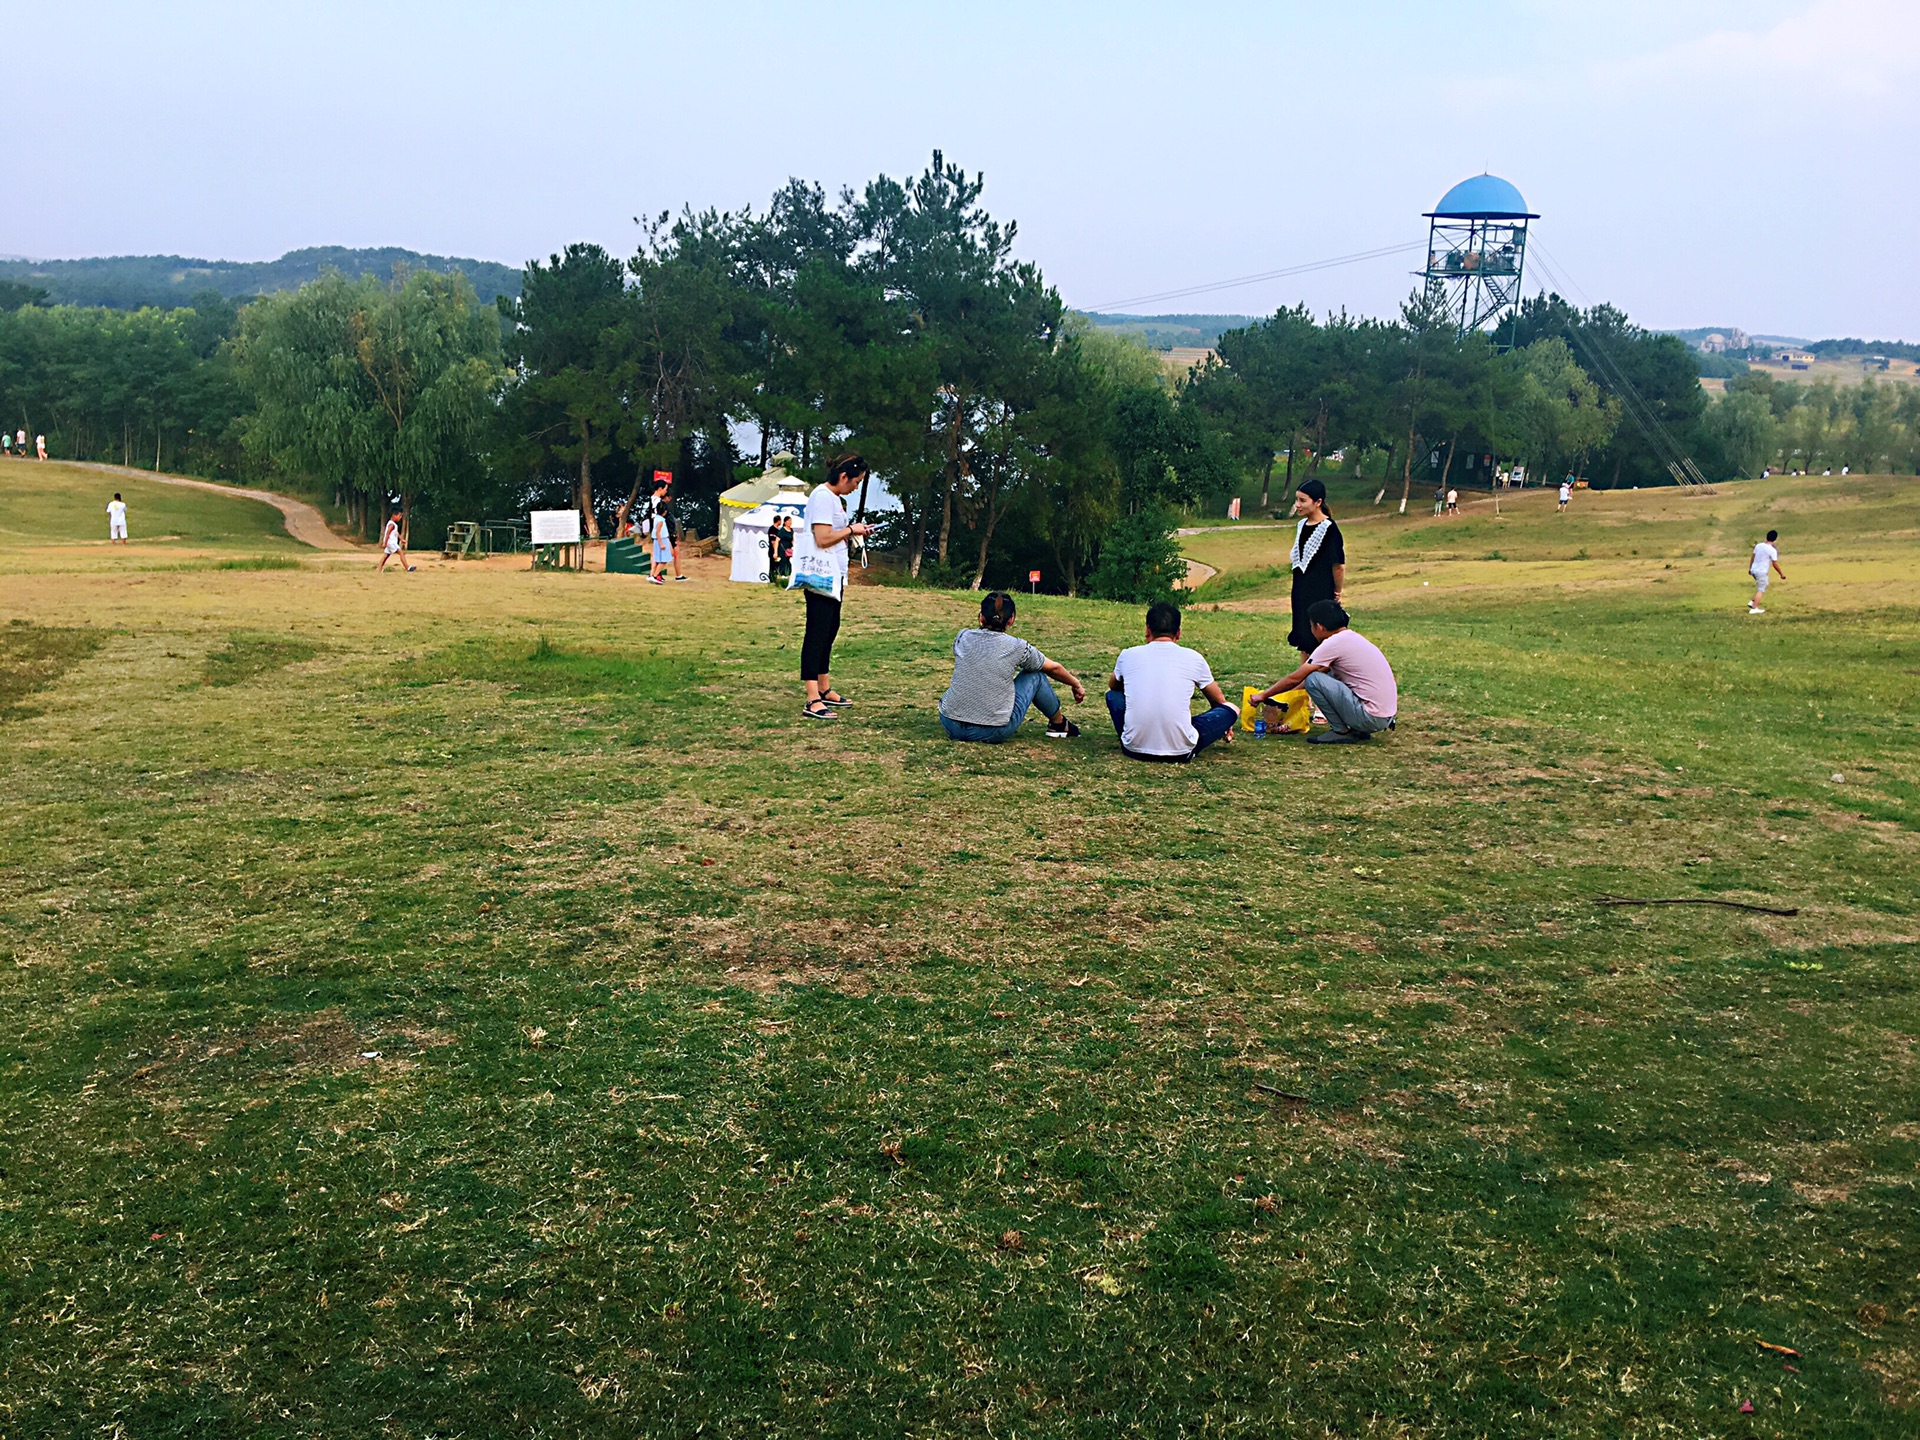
<point x="1283" y="1094"/>
<point x="1696" y="900"/>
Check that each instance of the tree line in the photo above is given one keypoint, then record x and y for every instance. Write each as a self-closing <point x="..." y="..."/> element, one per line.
<point x="897" y="318"/>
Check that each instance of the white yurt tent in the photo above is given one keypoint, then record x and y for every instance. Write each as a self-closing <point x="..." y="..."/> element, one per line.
<point x="748" y="495"/>
<point x="749" y="537"/>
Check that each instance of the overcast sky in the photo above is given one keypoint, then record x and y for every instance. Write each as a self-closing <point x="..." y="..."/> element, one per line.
<point x="1726" y="162"/>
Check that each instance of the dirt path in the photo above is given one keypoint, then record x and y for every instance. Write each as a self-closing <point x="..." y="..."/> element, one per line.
<point x="304" y="522"/>
<point x="1197" y="575"/>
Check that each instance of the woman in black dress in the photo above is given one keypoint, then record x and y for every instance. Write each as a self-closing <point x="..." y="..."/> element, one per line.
<point x="1319" y="560"/>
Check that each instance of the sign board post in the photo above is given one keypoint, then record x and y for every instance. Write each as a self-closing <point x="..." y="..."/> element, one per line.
<point x="1033" y="582"/>
<point x="555" y="536"/>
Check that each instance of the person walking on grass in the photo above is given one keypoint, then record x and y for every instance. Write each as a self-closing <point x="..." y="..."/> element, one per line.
<point x="1566" y="492"/>
<point x="996" y="677"/>
<point x="391" y="544"/>
<point x="1346" y="677"/>
<point x="116" y="520"/>
<point x="662" y="508"/>
<point x="1764" y="566"/>
<point x="40" y="446"/>
<point x="1151" y="693"/>
<point x="820" y="569"/>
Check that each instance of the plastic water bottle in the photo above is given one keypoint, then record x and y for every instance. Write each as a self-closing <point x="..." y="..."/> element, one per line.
<point x="1260" y="728"/>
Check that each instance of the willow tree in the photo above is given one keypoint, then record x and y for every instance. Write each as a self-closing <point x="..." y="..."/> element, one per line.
<point x="379" y="390"/>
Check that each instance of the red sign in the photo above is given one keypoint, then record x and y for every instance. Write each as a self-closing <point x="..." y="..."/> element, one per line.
<point x="1033" y="577"/>
<point x="663" y="477"/>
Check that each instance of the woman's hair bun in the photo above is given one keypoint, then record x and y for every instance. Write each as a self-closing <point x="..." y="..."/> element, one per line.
<point x="996" y="611"/>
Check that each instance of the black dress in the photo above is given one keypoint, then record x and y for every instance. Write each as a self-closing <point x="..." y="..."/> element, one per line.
<point x="1315" y="582"/>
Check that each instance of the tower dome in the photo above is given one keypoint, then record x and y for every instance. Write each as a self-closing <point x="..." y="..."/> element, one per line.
<point x="1482" y="197"/>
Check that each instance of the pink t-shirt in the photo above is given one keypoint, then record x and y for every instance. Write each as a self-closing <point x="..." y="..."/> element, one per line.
<point x="1357" y="663"/>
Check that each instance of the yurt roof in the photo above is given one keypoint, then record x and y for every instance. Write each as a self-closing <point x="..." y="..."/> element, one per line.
<point x="763" y="487"/>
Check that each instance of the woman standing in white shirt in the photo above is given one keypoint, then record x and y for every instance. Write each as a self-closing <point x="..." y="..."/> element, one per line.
<point x="820" y="569"/>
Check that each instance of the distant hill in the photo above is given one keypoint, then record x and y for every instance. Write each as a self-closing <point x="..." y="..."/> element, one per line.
<point x="1171" y="332"/>
<point x="127" y="282"/>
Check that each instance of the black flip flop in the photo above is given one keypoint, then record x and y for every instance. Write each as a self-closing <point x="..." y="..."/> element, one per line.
<point x="821" y="714"/>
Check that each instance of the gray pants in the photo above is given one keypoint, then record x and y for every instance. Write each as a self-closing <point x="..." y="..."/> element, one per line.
<point x="1341" y="706"/>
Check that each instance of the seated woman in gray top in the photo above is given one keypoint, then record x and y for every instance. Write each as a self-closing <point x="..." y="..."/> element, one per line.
<point x="996" y="677"/>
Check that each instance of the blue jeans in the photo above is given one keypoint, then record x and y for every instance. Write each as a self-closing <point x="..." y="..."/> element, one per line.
<point x="1211" y="725"/>
<point x="1030" y="687"/>
<point x="1341" y="706"/>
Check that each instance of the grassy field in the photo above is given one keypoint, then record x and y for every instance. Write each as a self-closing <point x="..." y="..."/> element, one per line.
<point x="475" y="1003"/>
<point x="53" y="518"/>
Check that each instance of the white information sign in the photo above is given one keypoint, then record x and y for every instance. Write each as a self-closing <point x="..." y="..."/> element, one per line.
<point x="556" y="527"/>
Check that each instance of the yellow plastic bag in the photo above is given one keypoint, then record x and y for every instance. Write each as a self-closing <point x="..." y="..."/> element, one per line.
<point x="1288" y="713"/>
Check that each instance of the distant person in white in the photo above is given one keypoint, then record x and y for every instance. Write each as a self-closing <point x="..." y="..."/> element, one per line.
<point x="116" y="520"/>
<point x="1566" y="493"/>
<point x="20" y="443"/>
<point x="1765" y="565"/>
<point x="391" y="544"/>
<point x="1151" y="695"/>
<point x="40" y="445"/>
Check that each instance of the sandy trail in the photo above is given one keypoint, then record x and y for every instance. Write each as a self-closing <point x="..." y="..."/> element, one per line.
<point x="304" y="523"/>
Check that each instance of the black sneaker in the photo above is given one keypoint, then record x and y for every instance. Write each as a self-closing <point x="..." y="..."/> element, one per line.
<point x="1072" y="731"/>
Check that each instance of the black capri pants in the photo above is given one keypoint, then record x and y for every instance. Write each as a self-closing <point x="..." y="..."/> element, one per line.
<point x="823" y="626"/>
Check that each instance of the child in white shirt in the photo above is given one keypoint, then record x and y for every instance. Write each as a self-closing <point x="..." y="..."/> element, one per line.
<point x="1766" y="558"/>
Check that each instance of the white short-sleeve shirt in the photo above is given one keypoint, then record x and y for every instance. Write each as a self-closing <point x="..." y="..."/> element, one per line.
<point x="1159" y="679"/>
<point x="823" y="508"/>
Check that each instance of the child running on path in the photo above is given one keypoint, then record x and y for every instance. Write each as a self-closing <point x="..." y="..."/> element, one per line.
<point x="1766" y="558"/>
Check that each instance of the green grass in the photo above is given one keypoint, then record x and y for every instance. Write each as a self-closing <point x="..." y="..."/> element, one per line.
<point x="245" y="657"/>
<point x="56" y="504"/>
<point x="32" y="657"/>
<point x="514" y="1018"/>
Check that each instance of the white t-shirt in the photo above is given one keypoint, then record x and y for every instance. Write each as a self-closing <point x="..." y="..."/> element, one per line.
<point x="1159" y="679"/>
<point x="823" y="508"/>
<point x="1764" y="554"/>
<point x="391" y="537"/>
<point x="117" y="513"/>
<point x="1566" y="493"/>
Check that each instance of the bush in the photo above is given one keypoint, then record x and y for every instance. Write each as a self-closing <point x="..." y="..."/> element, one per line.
<point x="1140" y="561"/>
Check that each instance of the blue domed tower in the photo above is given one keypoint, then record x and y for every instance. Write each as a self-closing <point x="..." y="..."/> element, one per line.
<point x="1477" y="250"/>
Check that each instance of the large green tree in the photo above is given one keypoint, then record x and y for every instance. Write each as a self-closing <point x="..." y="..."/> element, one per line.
<point x="383" y="391"/>
<point x="564" y="334"/>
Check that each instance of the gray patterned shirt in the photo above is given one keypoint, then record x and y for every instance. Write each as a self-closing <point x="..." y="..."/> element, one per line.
<point x="985" y="665"/>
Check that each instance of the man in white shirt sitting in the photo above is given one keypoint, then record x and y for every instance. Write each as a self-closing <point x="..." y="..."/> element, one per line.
<point x="1151" y="693"/>
<point x="1346" y="677"/>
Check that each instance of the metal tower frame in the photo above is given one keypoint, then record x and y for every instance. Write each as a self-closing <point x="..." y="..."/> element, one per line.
<point x="1477" y="252"/>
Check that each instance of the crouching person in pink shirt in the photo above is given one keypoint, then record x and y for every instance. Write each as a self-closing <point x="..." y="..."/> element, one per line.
<point x="1346" y="676"/>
